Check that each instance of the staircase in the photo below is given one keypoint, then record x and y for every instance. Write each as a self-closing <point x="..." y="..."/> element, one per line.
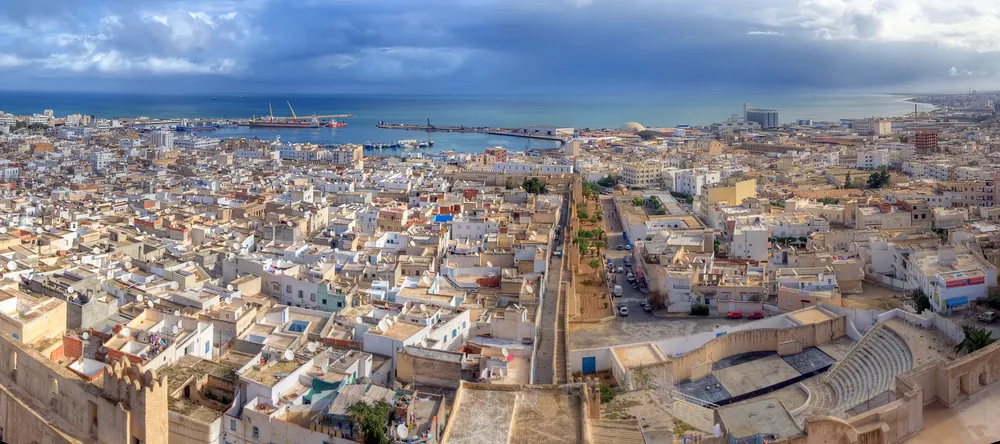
<point x="559" y="367"/>
<point x="869" y="368"/>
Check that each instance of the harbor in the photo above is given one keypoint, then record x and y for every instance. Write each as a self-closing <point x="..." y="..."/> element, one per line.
<point x="550" y="133"/>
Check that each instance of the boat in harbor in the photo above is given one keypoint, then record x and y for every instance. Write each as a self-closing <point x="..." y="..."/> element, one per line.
<point x="227" y="125"/>
<point x="282" y="123"/>
<point x="335" y="124"/>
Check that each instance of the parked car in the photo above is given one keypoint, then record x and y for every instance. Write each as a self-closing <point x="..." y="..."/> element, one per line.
<point x="620" y="246"/>
<point x="628" y="261"/>
<point x="623" y="311"/>
<point x="736" y="314"/>
<point x="618" y="291"/>
<point x="647" y="308"/>
<point x="757" y="315"/>
<point x="628" y="247"/>
<point x="622" y="304"/>
<point x="987" y="316"/>
<point x="630" y="277"/>
<point x="621" y="269"/>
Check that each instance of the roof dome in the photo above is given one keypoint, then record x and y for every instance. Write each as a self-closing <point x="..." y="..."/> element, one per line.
<point x="633" y="126"/>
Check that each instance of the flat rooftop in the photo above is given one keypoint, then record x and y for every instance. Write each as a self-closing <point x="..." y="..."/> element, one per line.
<point x="271" y="374"/>
<point x="811" y="315"/>
<point x="501" y="414"/>
<point x="766" y="416"/>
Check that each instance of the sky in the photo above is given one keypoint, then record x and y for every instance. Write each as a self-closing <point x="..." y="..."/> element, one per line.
<point x="499" y="46"/>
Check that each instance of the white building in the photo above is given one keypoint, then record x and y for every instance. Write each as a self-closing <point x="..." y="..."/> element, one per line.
<point x="693" y="182"/>
<point x="641" y="174"/>
<point x="749" y="242"/>
<point x="873" y="159"/>
<point x="163" y="138"/>
<point x="196" y="143"/>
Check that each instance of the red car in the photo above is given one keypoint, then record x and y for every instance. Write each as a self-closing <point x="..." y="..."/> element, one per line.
<point x="735" y="315"/>
<point x="757" y="315"/>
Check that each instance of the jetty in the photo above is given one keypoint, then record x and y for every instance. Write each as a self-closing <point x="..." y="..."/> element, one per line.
<point x="552" y="133"/>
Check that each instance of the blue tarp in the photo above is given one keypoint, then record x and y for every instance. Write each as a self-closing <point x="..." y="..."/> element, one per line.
<point x="954" y="302"/>
<point x="443" y="218"/>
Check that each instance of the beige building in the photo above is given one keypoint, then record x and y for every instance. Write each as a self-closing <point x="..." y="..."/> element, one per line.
<point x="30" y="319"/>
<point x="732" y="194"/>
<point x="641" y="174"/>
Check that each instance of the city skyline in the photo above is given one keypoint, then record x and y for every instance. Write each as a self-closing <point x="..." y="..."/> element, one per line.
<point x="482" y="47"/>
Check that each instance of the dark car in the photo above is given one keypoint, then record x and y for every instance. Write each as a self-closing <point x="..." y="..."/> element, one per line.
<point x="757" y="315"/>
<point x="647" y="308"/>
<point x="736" y="314"/>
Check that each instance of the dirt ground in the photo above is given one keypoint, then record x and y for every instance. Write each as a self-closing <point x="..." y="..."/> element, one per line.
<point x="874" y="297"/>
<point x="591" y="291"/>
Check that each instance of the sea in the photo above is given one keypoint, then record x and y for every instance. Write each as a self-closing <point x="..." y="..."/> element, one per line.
<point x="506" y="111"/>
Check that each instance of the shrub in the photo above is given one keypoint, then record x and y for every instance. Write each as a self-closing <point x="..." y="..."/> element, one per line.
<point x="699" y="310"/>
<point x="606" y="394"/>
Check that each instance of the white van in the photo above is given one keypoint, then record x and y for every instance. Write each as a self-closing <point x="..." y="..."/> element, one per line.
<point x="618" y="291"/>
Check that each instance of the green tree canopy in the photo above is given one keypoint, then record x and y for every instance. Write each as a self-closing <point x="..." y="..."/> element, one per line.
<point x="534" y="186"/>
<point x="371" y="420"/>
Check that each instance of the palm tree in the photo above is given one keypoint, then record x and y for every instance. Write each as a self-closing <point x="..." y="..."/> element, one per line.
<point x="975" y="339"/>
<point x="598" y="244"/>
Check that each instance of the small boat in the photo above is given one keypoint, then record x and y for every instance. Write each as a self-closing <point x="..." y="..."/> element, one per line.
<point x="335" y="124"/>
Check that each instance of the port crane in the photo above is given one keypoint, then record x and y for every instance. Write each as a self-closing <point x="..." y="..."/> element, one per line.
<point x="270" y="112"/>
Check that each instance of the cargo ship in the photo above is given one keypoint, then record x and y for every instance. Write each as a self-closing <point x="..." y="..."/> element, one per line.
<point x="294" y="123"/>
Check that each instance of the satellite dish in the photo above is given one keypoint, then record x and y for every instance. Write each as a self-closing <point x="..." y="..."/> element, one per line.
<point x="358" y="320"/>
<point x="236" y="245"/>
<point x="11" y="265"/>
<point x="3" y="229"/>
<point x="402" y="431"/>
<point x="311" y="347"/>
<point x="48" y="227"/>
<point x="389" y="322"/>
<point x="423" y="307"/>
<point x="138" y="213"/>
<point x="126" y="331"/>
<point x="289" y="355"/>
<point x="149" y="304"/>
<point x="98" y="251"/>
<point x="76" y="258"/>
<point x="291" y="224"/>
<point x="70" y="290"/>
<point x="504" y="352"/>
<point x="138" y="297"/>
<point x="177" y="312"/>
<point x="244" y="251"/>
<point x="383" y="326"/>
<point x="529" y="288"/>
<point x="111" y="274"/>
<point x="174" y="330"/>
<point x="413" y="244"/>
<point x="38" y="230"/>
<point x="229" y="287"/>
<point x="174" y="285"/>
<point x="127" y="264"/>
<point x="228" y="300"/>
<point x="85" y="336"/>
<point x="489" y="264"/>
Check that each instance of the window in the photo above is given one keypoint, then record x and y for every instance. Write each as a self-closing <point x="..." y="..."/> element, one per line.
<point x="340" y="304"/>
<point x="324" y="301"/>
<point x="232" y="424"/>
<point x="256" y="433"/>
<point x="312" y="297"/>
<point x="288" y="289"/>
<point x="454" y="332"/>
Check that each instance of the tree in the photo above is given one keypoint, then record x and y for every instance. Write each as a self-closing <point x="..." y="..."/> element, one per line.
<point x="598" y="216"/>
<point x="598" y="244"/>
<point x="847" y="181"/>
<point x="583" y="244"/>
<point x="582" y="214"/>
<point x="879" y="179"/>
<point x="510" y="182"/>
<point x="699" y="310"/>
<point x="919" y="300"/>
<point x="370" y="421"/>
<point x="609" y="181"/>
<point x="975" y="338"/>
<point x="647" y="135"/>
<point x="534" y="186"/>
<point x="594" y="263"/>
<point x="638" y="201"/>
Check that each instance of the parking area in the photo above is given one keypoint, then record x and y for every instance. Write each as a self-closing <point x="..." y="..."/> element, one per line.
<point x="969" y="316"/>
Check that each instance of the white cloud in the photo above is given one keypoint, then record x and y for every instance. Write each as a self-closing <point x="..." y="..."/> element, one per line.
<point x="961" y="24"/>
<point x="8" y="61"/>
<point x="770" y="33"/>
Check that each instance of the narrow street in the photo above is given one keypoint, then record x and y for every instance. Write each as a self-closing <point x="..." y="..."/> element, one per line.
<point x="552" y="338"/>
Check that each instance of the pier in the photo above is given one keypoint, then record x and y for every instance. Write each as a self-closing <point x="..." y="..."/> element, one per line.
<point x="561" y="135"/>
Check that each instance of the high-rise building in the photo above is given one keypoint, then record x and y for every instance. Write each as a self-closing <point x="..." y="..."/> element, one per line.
<point x="163" y="138"/>
<point x="873" y="127"/>
<point x="926" y="140"/>
<point x="767" y="118"/>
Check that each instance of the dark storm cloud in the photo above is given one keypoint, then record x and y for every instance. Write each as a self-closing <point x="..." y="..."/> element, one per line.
<point x="480" y="46"/>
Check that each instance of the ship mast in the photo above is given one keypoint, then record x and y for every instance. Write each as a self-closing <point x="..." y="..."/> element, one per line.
<point x="270" y="111"/>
